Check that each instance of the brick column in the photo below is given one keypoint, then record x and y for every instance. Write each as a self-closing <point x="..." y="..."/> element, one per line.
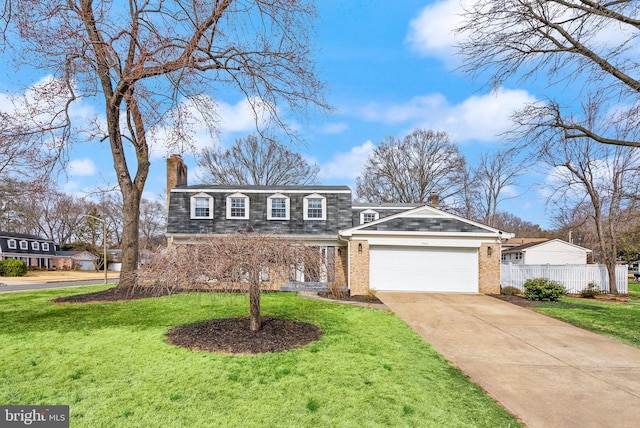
<point x="489" y="268"/>
<point x="340" y="266"/>
<point x="359" y="267"/>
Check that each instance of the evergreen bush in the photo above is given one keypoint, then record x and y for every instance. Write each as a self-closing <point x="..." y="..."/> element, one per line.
<point x="13" y="267"/>
<point x="543" y="289"/>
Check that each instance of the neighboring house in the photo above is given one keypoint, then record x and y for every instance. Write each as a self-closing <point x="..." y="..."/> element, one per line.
<point x="35" y="251"/>
<point x="555" y="252"/>
<point x="76" y="260"/>
<point x="404" y="247"/>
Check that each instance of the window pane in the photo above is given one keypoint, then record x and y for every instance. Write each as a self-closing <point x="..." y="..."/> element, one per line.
<point x="279" y="208"/>
<point x="237" y="207"/>
<point x="202" y="207"/>
<point x="314" y="208"/>
<point x="368" y="217"/>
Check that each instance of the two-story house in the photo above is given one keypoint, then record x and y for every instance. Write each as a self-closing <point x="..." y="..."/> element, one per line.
<point x="367" y="246"/>
<point x="33" y="250"/>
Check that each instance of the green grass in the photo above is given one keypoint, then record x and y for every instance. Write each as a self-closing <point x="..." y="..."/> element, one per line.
<point x="619" y="321"/>
<point x="112" y="365"/>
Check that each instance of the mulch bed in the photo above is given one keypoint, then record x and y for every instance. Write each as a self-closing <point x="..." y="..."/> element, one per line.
<point x="517" y="300"/>
<point x="229" y="335"/>
<point x="349" y="298"/>
<point x="233" y="335"/>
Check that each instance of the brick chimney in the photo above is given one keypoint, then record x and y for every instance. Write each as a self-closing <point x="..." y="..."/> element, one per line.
<point x="176" y="174"/>
<point x="433" y="199"/>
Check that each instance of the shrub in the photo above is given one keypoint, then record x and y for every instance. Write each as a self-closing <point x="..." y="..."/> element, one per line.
<point x="591" y="291"/>
<point x="543" y="289"/>
<point x="13" y="268"/>
<point x="510" y="291"/>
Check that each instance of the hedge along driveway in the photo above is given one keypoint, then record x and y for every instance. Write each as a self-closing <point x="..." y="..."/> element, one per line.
<point x="112" y="365"/>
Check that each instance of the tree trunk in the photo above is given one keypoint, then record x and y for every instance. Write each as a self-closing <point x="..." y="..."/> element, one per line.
<point x="130" y="227"/>
<point x="254" y="302"/>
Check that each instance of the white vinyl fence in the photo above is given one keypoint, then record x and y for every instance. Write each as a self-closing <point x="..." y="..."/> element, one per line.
<point x="574" y="277"/>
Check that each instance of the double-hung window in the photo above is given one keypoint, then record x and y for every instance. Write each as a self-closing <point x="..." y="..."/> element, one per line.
<point x="11" y="244"/>
<point x="315" y="207"/>
<point x="35" y="245"/>
<point x="278" y="207"/>
<point x="201" y="206"/>
<point x="24" y="245"/>
<point x="237" y="206"/>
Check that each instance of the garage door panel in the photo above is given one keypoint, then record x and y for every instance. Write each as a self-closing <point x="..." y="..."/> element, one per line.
<point x="423" y="269"/>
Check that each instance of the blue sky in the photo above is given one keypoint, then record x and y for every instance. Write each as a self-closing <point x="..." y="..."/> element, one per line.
<point x="389" y="67"/>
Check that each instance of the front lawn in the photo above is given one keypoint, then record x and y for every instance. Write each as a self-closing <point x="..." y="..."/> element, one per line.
<point x="112" y="365"/>
<point x="619" y="321"/>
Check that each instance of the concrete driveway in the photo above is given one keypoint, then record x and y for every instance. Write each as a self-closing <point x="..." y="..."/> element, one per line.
<point x="544" y="371"/>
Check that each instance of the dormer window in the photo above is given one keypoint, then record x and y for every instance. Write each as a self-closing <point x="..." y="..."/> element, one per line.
<point x="201" y="206"/>
<point x="35" y="245"/>
<point x="11" y="244"/>
<point x="24" y="245"/>
<point x="368" y="216"/>
<point x="237" y="206"/>
<point x="45" y="246"/>
<point x="315" y="207"/>
<point x="278" y="207"/>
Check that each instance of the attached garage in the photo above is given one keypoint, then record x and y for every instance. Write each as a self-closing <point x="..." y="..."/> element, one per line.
<point x="423" y="249"/>
<point x="394" y="268"/>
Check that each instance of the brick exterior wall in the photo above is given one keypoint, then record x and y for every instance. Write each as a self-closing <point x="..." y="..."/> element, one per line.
<point x="176" y="174"/>
<point x="340" y="267"/>
<point x="489" y="269"/>
<point x="359" y="262"/>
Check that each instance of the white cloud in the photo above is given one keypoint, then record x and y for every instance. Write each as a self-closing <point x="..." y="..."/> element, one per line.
<point x="479" y="117"/>
<point x="432" y="31"/>
<point x="346" y="166"/>
<point x="334" y="128"/>
<point x="82" y="167"/>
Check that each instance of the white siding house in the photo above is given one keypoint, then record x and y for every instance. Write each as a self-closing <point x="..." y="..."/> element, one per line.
<point x="554" y="252"/>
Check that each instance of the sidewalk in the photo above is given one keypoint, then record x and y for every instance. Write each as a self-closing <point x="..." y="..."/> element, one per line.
<point x="544" y="371"/>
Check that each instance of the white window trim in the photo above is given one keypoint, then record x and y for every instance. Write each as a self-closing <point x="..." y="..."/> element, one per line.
<point x="12" y="244"/>
<point x="193" y="206"/>
<point x="362" y="213"/>
<point x="246" y="206"/>
<point x="35" y="246"/>
<point x="269" y="207"/>
<point x="306" y="207"/>
<point x="24" y="245"/>
<point x="45" y="246"/>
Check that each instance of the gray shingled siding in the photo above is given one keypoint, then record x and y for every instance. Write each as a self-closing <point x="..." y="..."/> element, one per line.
<point x="338" y="215"/>
<point x="430" y="224"/>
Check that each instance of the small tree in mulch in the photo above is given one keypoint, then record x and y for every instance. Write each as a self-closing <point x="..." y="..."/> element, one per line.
<point x="237" y="262"/>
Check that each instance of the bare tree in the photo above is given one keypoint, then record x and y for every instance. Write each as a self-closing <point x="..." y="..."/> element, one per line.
<point x="255" y="160"/>
<point x="57" y="215"/>
<point x="589" y="44"/>
<point x="153" y="221"/>
<point x="492" y="176"/>
<point x="521" y="228"/>
<point x="152" y="63"/>
<point x="412" y="168"/>
<point x="598" y="183"/>
<point x="241" y="261"/>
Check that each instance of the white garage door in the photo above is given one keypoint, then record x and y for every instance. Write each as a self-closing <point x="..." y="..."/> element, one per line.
<point x="423" y="269"/>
